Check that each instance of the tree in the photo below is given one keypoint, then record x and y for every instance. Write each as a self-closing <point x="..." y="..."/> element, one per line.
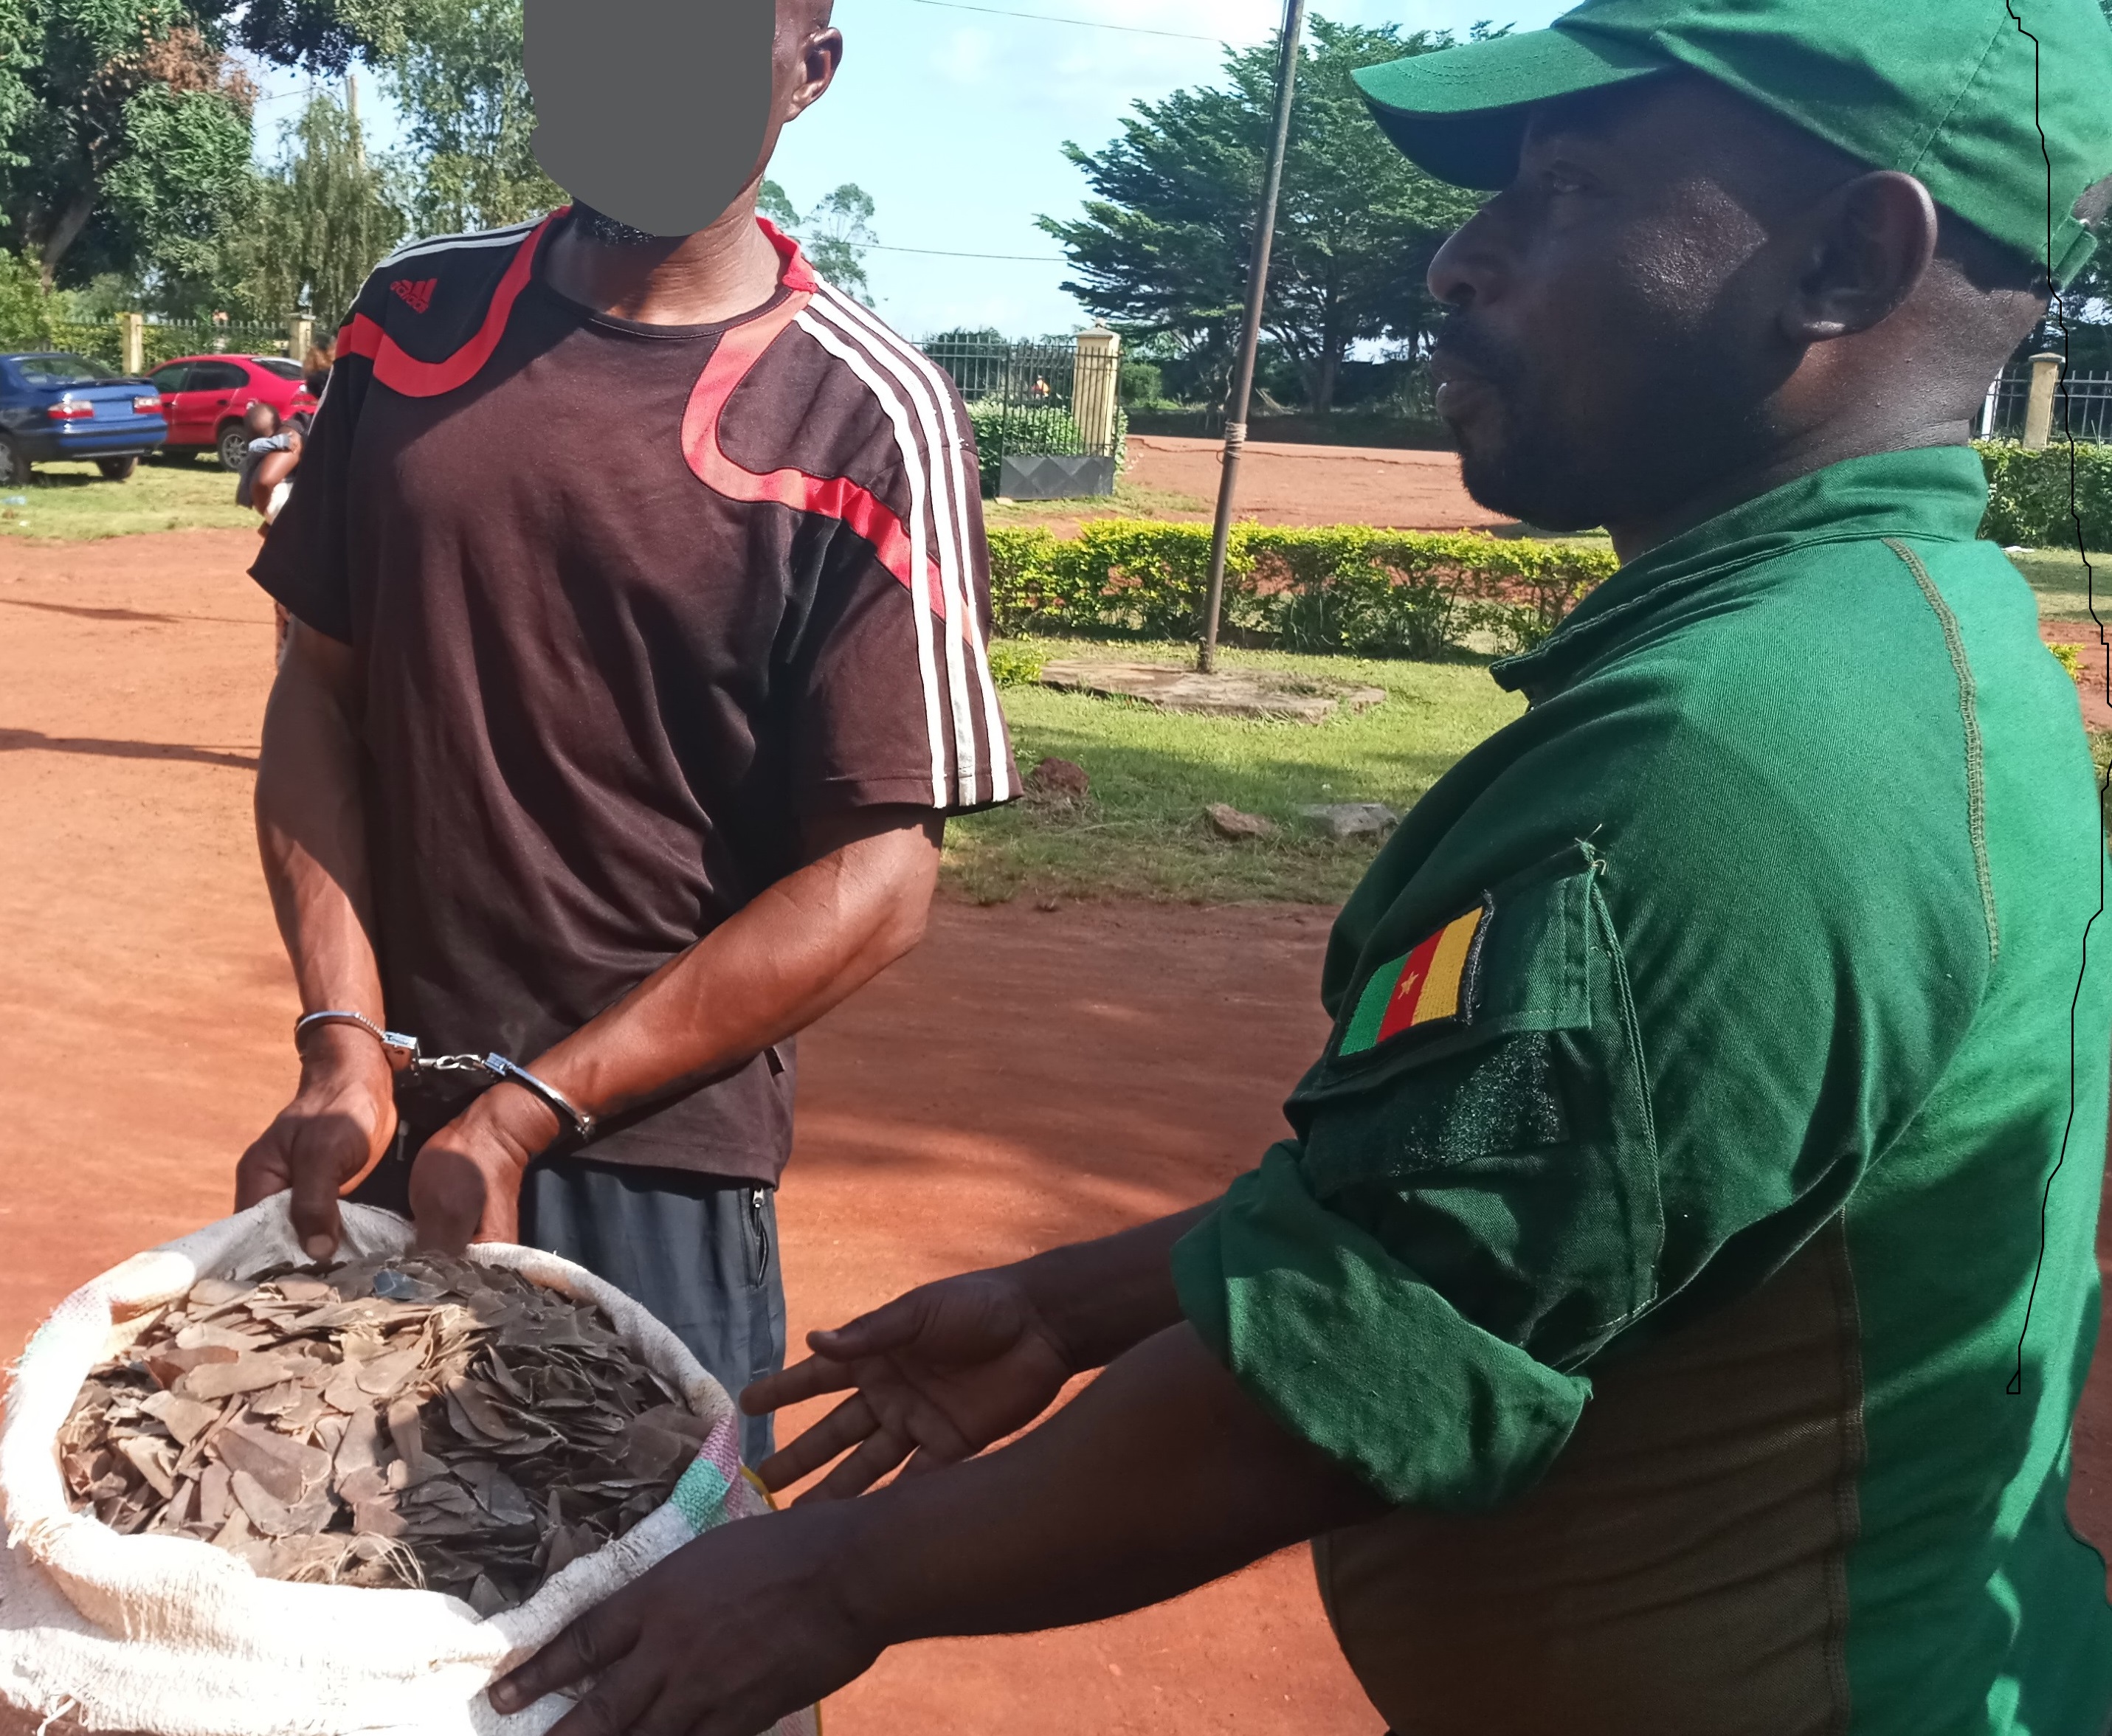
<point x="834" y="233"/>
<point x="124" y="127"/>
<point x="1164" y="247"/>
<point x="457" y="76"/>
<point x="327" y="215"/>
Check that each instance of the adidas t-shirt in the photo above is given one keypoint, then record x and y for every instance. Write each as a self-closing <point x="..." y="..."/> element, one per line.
<point x="630" y="603"/>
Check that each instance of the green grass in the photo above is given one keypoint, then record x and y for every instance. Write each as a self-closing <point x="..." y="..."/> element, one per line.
<point x="1128" y="501"/>
<point x="1141" y="833"/>
<point x="72" y="503"/>
<point x="2057" y="576"/>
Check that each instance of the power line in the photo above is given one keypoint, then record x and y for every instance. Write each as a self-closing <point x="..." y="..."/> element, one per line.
<point x="1034" y="259"/>
<point x="1088" y="24"/>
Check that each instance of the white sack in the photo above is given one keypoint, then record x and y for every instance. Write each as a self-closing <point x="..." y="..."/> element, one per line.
<point x="172" y="1636"/>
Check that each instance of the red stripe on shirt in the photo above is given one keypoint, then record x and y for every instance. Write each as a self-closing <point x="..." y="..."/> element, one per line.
<point x="400" y="371"/>
<point x="831" y="496"/>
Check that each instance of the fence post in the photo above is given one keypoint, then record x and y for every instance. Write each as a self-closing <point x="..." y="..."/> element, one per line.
<point x="300" y="337"/>
<point x="2038" y="408"/>
<point x="132" y="342"/>
<point x="1093" y="391"/>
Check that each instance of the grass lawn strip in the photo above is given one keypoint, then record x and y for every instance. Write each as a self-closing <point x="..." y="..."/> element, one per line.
<point x="73" y="503"/>
<point x="1140" y="833"/>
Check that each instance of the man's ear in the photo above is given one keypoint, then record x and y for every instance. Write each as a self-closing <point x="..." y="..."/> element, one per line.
<point x="820" y="52"/>
<point x="1871" y="242"/>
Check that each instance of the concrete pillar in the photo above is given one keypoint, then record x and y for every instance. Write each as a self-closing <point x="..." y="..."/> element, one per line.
<point x="132" y="342"/>
<point x="1093" y="390"/>
<point x="300" y="335"/>
<point x="2038" y="408"/>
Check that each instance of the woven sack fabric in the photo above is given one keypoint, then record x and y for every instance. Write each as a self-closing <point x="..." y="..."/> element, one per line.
<point x="166" y="1636"/>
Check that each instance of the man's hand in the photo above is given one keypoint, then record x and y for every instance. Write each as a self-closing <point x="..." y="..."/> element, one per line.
<point x="466" y="1184"/>
<point x="1162" y="1474"/>
<point x="939" y="1373"/>
<point x="337" y="1128"/>
<point x="723" y="1638"/>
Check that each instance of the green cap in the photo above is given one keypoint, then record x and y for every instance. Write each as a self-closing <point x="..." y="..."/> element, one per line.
<point x="1941" y="89"/>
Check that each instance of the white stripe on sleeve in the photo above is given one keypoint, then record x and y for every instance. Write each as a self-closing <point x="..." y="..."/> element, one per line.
<point x="953" y="582"/>
<point x="922" y="619"/>
<point x="913" y="363"/>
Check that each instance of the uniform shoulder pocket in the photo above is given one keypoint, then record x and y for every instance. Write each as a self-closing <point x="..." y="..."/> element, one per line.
<point x="1483" y="1107"/>
<point x="1521" y="960"/>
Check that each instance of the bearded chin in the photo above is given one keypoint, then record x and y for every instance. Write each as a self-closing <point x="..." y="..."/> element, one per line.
<point x="599" y="226"/>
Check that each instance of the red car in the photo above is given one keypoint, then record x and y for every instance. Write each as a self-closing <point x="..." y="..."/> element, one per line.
<point x="205" y="397"/>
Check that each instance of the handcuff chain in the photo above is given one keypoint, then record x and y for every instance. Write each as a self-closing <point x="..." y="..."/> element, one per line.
<point x="404" y="1054"/>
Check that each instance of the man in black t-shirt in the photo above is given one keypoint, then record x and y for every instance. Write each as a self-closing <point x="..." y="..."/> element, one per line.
<point x="640" y="599"/>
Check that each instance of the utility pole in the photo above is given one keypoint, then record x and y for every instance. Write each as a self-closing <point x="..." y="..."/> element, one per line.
<point x="352" y="121"/>
<point x="1236" y="409"/>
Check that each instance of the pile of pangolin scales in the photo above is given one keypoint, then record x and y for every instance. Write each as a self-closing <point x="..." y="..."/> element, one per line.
<point x="417" y="1421"/>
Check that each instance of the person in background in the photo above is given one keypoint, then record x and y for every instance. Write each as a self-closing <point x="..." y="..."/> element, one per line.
<point x="316" y="365"/>
<point x="267" y="481"/>
<point x="262" y="422"/>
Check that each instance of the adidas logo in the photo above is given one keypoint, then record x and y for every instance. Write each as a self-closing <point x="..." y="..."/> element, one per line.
<point x="418" y="293"/>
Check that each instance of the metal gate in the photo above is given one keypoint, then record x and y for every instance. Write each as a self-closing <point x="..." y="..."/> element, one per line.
<point x="2082" y="408"/>
<point x="1044" y="414"/>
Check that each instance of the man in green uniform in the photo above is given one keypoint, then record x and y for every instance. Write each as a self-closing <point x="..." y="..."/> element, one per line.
<point x="1669" y="1310"/>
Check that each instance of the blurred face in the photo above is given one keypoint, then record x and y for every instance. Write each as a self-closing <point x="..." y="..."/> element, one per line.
<point x="261" y="419"/>
<point x="657" y="114"/>
<point x="1613" y="340"/>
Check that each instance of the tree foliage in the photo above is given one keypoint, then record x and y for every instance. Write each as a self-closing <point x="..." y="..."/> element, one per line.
<point x="1162" y="248"/>
<point x="834" y="234"/>
<point x="457" y="76"/>
<point x="327" y="213"/>
<point x="125" y="126"/>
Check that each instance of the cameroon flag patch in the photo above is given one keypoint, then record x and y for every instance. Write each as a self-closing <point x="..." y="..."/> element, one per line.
<point x="1433" y="985"/>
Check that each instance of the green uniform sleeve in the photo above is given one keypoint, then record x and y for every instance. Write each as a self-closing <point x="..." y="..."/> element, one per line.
<point x="1340" y="1341"/>
<point x="1570" y="1105"/>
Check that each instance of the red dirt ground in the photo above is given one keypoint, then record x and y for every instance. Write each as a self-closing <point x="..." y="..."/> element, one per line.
<point x="1283" y="484"/>
<point x="1027" y="1078"/>
<point x="2091" y="684"/>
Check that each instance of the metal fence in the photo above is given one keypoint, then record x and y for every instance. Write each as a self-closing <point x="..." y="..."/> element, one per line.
<point x="160" y="341"/>
<point x="2082" y="408"/>
<point x="1029" y="401"/>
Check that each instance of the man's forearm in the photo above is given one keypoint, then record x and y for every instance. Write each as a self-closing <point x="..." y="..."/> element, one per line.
<point x="1163" y="1475"/>
<point x="1102" y="1298"/>
<point x="311" y="829"/>
<point x="800" y="947"/>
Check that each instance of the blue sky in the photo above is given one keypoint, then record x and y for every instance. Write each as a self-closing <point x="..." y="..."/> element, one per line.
<point x="952" y="119"/>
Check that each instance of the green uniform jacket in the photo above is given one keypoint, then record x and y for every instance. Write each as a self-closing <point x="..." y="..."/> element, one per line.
<point x="1662" y="1220"/>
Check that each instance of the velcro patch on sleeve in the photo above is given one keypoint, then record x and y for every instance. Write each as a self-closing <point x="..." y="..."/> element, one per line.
<point x="1431" y="985"/>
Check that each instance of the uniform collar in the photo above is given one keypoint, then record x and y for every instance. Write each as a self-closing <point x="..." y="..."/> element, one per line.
<point x="1931" y="492"/>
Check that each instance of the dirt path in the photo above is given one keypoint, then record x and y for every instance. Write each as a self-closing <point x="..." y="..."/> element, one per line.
<point x="945" y="1121"/>
<point x="1285" y="485"/>
<point x="1025" y="1078"/>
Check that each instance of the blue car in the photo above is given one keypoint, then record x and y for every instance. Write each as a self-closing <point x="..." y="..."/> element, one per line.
<point x="57" y="406"/>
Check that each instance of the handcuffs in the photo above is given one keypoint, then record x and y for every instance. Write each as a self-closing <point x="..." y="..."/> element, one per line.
<point x="404" y="1056"/>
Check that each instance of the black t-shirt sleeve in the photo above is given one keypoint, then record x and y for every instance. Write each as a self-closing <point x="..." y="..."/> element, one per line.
<point x="305" y="563"/>
<point x="895" y="703"/>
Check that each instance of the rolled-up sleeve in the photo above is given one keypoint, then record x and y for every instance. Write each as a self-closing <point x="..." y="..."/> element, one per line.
<point x="1351" y="1350"/>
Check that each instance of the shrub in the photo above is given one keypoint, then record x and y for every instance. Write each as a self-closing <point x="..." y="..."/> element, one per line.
<point x="1000" y="429"/>
<point x="1013" y="664"/>
<point x="2028" y="494"/>
<point x="1346" y="589"/>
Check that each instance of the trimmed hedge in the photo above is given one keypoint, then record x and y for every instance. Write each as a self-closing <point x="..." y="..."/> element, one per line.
<point x="1347" y="588"/>
<point x="2029" y="491"/>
